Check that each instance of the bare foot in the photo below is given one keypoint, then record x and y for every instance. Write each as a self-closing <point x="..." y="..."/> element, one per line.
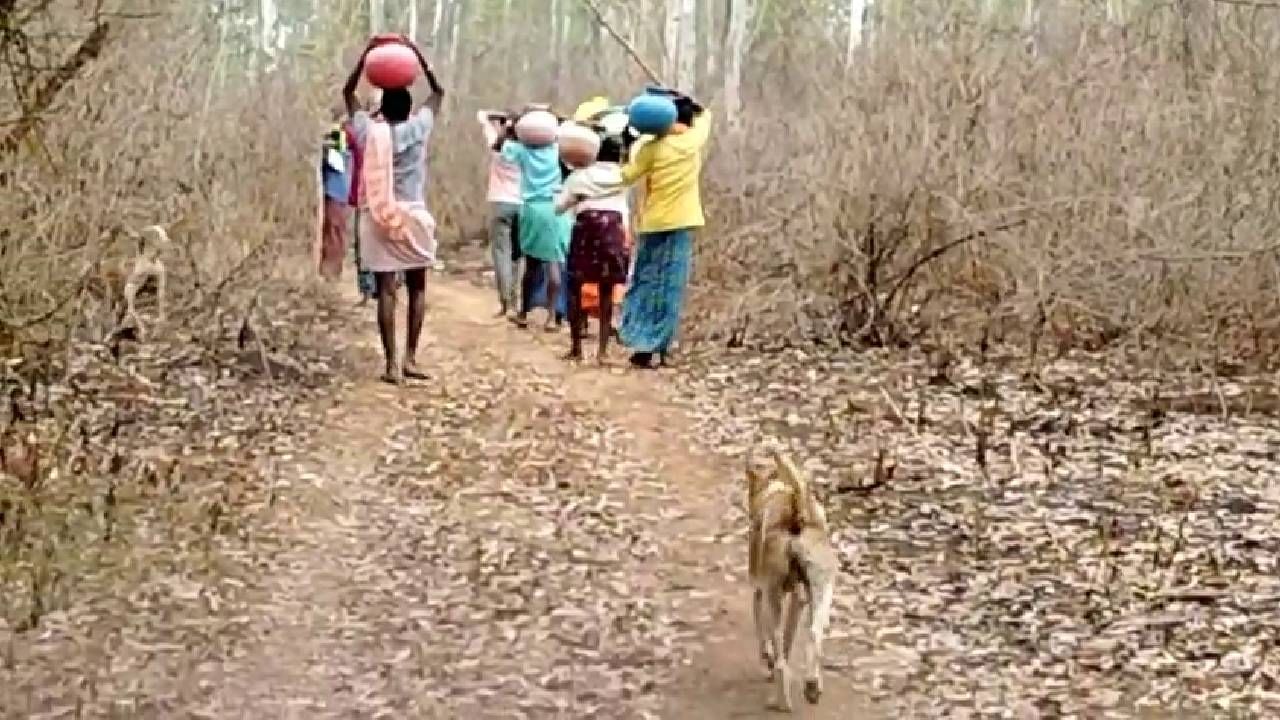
<point x="392" y="376"/>
<point x="520" y="322"/>
<point x="573" y="356"/>
<point x="412" y="372"/>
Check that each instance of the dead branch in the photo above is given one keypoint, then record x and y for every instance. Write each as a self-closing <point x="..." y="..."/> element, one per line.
<point x="89" y="50"/>
<point x="599" y="15"/>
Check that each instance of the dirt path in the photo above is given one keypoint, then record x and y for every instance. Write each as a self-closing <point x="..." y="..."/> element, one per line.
<point x="346" y="511"/>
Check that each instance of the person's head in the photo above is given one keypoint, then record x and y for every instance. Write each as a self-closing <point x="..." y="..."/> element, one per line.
<point x="396" y="105"/>
<point x="686" y="110"/>
<point x="610" y="150"/>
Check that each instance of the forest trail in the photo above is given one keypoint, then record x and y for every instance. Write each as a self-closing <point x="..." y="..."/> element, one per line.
<point x="368" y="613"/>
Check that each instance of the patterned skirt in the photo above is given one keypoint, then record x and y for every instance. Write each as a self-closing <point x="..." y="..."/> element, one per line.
<point x="598" y="248"/>
<point x="655" y="298"/>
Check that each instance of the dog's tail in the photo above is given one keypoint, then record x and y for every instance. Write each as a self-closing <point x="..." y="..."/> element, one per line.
<point x="806" y="513"/>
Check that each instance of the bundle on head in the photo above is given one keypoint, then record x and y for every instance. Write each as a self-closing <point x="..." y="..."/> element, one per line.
<point x="537" y="128"/>
<point x="579" y="144"/>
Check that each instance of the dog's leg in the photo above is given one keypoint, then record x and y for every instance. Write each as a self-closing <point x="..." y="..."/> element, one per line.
<point x="131" y="287"/>
<point x="795" y="605"/>
<point x="161" y="275"/>
<point x="819" y="617"/>
<point x="762" y="631"/>
<point x="781" y="692"/>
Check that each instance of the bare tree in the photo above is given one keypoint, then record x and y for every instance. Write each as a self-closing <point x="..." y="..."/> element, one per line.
<point x="857" y="20"/>
<point x="740" y="14"/>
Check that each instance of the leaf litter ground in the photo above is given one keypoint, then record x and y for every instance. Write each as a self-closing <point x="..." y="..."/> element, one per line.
<point x="1112" y="559"/>
<point x="488" y="545"/>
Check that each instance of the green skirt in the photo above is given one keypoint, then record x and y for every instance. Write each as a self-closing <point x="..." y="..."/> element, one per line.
<point x="544" y="235"/>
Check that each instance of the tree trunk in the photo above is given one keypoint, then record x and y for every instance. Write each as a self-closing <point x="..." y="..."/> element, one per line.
<point x="437" y="25"/>
<point x="563" y="50"/>
<point x="739" y="24"/>
<point x="1031" y="26"/>
<point x="687" y="55"/>
<point x="706" y="42"/>
<point x="456" y="67"/>
<point x="413" y="21"/>
<point x="377" y="16"/>
<point x="857" y="26"/>
<point x="268" y="19"/>
<point x="1115" y="12"/>
<point x="680" y="40"/>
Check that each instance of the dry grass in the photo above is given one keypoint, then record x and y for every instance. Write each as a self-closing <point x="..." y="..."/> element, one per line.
<point x="1132" y="182"/>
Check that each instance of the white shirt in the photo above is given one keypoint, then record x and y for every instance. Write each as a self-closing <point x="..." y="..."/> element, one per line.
<point x="599" y="187"/>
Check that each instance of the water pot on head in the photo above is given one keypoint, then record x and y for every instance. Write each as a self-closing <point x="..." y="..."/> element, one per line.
<point x="391" y="65"/>
<point x="652" y="114"/>
<point x="537" y="128"/>
<point x="578" y="145"/>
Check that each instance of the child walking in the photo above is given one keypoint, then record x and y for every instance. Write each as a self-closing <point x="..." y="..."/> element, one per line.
<point x="504" y="210"/>
<point x="543" y="234"/>
<point x="598" y="251"/>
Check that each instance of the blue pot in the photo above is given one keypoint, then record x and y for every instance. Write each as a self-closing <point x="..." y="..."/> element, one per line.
<point x="652" y="114"/>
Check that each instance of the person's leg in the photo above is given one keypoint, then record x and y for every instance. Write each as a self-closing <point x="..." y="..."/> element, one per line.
<point x="386" y="284"/>
<point x="577" y="319"/>
<point x="416" y="283"/>
<point x="606" y="319"/>
<point x="676" y="280"/>
<point x="529" y="288"/>
<point x="553" y="294"/>
<point x="500" y="250"/>
<point x="642" y="299"/>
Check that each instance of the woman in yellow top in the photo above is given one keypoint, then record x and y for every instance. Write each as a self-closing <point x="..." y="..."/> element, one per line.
<point x="671" y="168"/>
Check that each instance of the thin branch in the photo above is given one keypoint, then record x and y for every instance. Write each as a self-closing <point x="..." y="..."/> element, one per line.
<point x="941" y="250"/>
<point x="90" y="48"/>
<point x="595" y="10"/>
<point x="1212" y="256"/>
<point x="1249" y="3"/>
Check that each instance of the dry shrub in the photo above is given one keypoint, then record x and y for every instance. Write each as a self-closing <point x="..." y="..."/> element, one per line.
<point x="966" y="180"/>
<point x="97" y="499"/>
<point x="149" y="134"/>
<point x="1112" y="186"/>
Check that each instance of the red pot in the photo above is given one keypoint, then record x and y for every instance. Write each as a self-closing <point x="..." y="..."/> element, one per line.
<point x="391" y="63"/>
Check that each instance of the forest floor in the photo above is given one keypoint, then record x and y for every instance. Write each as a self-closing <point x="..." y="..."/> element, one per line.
<point x="519" y="537"/>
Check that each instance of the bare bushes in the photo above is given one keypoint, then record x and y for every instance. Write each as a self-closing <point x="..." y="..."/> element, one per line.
<point x="958" y="184"/>
<point x="156" y="132"/>
<point x="116" y="462"/>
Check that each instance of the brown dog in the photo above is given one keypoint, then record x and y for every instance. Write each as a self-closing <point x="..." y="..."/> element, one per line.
<point x="119" y="281"/>
<point x="792" y="568"/>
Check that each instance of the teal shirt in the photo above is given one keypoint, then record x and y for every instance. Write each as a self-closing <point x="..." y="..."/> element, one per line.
<point x="539" y="170"/>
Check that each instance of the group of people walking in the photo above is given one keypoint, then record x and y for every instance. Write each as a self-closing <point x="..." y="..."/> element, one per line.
<point x="561" y="224"/>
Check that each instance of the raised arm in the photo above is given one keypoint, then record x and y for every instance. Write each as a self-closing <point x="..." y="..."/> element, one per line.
<point x="349" y="89"/>
<point x="436" y="100"/>
<point x="697" y="117"/>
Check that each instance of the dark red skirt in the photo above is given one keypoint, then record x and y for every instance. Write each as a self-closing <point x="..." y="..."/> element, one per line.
<point x="598" y="248"/>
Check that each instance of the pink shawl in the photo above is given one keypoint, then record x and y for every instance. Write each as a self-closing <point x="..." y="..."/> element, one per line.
<point x="409" y="228"/>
